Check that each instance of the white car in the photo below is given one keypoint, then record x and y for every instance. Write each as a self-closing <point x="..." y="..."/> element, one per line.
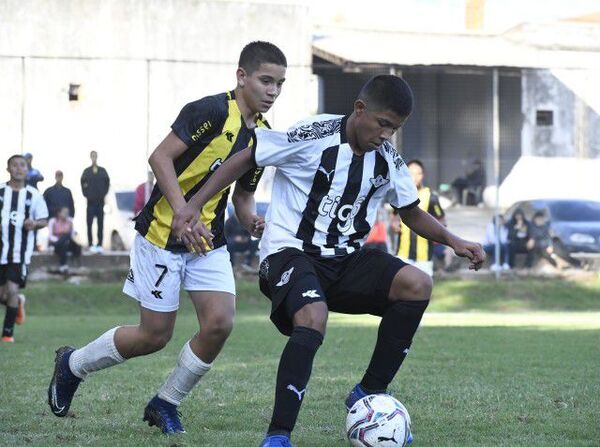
<point x="119" y="227"/>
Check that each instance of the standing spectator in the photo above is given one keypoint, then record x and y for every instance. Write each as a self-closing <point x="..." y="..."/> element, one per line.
<point x="58" y="196"/>
<point x="518" y="235"/>
<point x="94" y="184"/>
<point x="142" y="193"/>
<point x="34" y="176"/>
<point x="22" y="210"/>
<point x="540" y="242"/>
<point x="60" y="236"/>
<point x="496" y="231"/>
<point x="412" y="248"/>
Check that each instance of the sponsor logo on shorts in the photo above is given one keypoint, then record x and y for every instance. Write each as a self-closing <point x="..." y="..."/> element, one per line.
<point x="130" y="276"/>
<point x="285" y="278"/>
<point x="157" y="294"/>
<point x="311" y="294"/>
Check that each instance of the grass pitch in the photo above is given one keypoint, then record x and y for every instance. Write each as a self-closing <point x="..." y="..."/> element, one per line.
<point x="494" y="364"/>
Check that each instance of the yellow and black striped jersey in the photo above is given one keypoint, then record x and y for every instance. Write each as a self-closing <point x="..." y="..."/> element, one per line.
<point x="214" y="130"/>
<point x="411" y="245"/>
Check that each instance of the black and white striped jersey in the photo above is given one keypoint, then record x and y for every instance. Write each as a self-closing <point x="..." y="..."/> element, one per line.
<point x="324" y="197"/>
<point x="16" y="243"/>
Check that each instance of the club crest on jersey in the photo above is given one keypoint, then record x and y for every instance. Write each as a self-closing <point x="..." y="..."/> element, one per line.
<point x="379" y="181"/>
<point x="218" y="162"/>
<point x="285" y="278"/>
<point x="329" y="206"/>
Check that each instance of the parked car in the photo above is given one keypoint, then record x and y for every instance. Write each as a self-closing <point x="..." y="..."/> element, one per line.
<point x="119" y="230"/>
<point x="574" y="224"/>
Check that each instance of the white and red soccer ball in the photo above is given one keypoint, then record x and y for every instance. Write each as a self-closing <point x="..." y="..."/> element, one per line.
<point x="378" y="420"/>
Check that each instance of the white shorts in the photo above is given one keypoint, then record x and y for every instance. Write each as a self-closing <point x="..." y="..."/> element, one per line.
<point x="156" y="275"/>
<point x="424" y="266"/>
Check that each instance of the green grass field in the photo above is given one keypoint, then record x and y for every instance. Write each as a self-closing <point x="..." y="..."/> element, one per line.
<point x="494" y="364"/>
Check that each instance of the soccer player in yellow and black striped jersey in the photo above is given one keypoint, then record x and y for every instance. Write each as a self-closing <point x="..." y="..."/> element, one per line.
<point x="413" y="248"/>
<point x="205" y="134"/>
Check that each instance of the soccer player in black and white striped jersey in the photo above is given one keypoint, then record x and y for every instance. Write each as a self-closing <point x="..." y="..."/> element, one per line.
<point x="22" y="211"/>
<point x="332" y="172"/>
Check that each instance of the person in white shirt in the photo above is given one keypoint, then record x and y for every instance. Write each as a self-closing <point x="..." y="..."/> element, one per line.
<point x="22" y="212"/>
<point x="332" y="172"/>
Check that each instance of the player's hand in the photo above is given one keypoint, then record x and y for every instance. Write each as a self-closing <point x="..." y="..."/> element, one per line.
<point x="471" y="250"/>
<point x="257" y="226"/>
<point x="197" y="238"/>
<point x="184" y="220"/>
<point x="29" y="224"/>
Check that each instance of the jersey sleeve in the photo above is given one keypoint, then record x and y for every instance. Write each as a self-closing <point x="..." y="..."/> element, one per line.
<point x="249" y="181"/>
<point x="403" y="193"/>
<point x="273" y="148"/>
<point x="39" y="209"/>
<point x="198" y="120"/>
<point x="435" y="209"/>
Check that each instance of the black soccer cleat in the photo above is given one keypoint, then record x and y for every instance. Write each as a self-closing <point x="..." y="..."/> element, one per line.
<point x="164" y="415"/>
<point x="64" y="383"/>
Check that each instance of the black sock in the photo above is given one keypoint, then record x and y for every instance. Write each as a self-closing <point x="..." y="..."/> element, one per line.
<point x="9" y="321"/>
<point x="294" y="371"/>
<point x="396" y="331"/>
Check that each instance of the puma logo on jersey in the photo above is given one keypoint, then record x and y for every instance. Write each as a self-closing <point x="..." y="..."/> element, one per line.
<point x="285" y="278"/>
<point x="379" y="181"/>
<point x="328" y="174"/>
<point x="295" y="390"/>
<point x="218" y="162"/>
<point x="311" y="294"/>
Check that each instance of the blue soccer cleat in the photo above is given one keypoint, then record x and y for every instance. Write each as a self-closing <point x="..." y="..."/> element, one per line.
<point x="356" y="394"/>
<point x="164" y="415"/>
<point x="409" y="440"/>
<point x="276" y="441"/>
<point x="64" y="383"/>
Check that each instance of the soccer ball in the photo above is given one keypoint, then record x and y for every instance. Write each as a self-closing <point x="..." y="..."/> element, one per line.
<point x="378" y="420"/>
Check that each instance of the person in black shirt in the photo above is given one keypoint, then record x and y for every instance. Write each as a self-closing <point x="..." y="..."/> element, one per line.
<point x="58" y="196"/>
<point x="94" y="184"/>
<point x="518" y="235"/>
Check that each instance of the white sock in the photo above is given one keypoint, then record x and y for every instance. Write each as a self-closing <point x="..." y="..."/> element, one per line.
<point x="184" y="377"/>
<point x="96" y="355"/>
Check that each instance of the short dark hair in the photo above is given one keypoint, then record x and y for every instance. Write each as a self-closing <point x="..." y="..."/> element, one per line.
<point x="260" y="52"/>
<point x="539" y="213"/>
<point x="12" y="157"/>
<point x="388" y="92"/>
<point x="414" y="161"/>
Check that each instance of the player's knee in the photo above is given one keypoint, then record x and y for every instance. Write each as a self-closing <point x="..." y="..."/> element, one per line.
<point x="220" y="326"/>
<point x="413" y="285"/>
<point x="153" y="341"/>
<point x="313" y="316"/>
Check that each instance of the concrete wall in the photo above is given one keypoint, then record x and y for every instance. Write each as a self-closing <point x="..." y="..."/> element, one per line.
<point x="138" y="62"/>
<point x="574" y="98"/>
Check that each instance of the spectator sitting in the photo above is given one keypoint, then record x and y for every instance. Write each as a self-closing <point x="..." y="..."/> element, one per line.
<point x="58" y="196"/>
<point x="34" y="176"/>
<point x="60" y="236"/>
<point x="518" y="235"/>
<point x="142" y="193"/>
<point x="540" y="242"/>
<point x="471" y="184"/>
<point x="496" y="231"/>
<point x="240" y="241"/>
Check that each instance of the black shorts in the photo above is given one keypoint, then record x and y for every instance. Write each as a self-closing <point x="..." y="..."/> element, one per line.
<point x="16" y="273"/>
<point x="358" y="283"/>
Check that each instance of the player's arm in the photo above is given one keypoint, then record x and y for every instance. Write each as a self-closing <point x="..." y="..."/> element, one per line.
<point x="245" y="210"/>
<point x="186" y="225"/>
<point x="162" y="163"/>
<point x="427" y="226"/>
